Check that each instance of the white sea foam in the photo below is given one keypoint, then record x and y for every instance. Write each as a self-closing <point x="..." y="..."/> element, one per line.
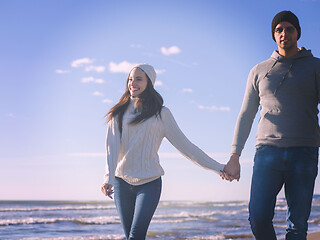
<point x="183" y="217"/>
<point x="30" y="220"/>
<point x="230" y="204"/>
<point x="98" y="237"/>
<point x="280" y="226"/>
<point x="171" y="220"/>
<point x="65" y="208"/>
<point x="281" y="208"/>
<point x="216" y="237"/>
<point x="190" y="216"/>
<point x="174" y="204"/>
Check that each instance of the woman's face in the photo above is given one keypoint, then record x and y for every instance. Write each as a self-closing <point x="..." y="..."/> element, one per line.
<point x="137" y="82"/>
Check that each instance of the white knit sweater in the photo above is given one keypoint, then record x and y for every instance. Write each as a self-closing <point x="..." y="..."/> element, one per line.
<point x="134" y="156"/>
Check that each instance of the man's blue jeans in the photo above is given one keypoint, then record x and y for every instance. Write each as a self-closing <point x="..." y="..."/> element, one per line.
<point x="136" y="206"/>
<point x="296" y="168"/>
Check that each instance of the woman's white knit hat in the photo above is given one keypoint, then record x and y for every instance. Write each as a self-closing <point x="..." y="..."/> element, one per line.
<point x="149" y="70"/>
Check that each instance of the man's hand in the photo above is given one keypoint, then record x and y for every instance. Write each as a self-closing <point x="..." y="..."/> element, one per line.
<point x="232" y="169"/>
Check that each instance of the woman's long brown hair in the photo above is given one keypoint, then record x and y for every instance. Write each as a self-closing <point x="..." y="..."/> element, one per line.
<point x="149" y="102"/>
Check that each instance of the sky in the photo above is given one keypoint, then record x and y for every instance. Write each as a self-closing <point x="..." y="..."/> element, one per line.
<point x="64" y="64"/>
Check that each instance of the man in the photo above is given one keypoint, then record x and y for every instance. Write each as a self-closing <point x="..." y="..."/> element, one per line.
<point x="287" y="89"/>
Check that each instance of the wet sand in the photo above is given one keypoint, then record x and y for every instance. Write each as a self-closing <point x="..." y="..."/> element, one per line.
<point x="313" y="236"/>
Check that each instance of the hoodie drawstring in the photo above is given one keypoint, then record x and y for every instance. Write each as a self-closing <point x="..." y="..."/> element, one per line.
<point x="271" y="68"/>
<point x="284" y="77"/>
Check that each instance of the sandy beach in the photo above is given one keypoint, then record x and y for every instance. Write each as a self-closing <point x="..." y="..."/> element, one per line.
<point x="314" y="236"/>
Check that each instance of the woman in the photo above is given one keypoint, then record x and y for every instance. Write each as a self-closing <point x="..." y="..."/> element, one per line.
<point x="136" y="126"/>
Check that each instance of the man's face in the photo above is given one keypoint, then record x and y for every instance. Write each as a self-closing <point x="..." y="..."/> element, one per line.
<point x="286" y="36"/>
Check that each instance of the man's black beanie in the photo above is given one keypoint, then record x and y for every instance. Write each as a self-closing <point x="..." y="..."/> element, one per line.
<point x="285" y="16"/>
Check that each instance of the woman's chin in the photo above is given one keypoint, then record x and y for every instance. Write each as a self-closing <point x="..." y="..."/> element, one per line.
<point x="134" y="94"/>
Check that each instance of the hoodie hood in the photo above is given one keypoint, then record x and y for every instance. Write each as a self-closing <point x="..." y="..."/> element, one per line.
<point x="289" y="62"/>
<point x="301" y="54"/>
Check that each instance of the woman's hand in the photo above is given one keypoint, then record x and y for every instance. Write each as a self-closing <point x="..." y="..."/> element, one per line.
<point x="225" y="176"/>
<point x="106" y="189"/>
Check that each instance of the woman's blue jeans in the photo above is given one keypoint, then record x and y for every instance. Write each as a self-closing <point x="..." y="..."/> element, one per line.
<point x="296" y="168"/>
<point x="136" y="206"/>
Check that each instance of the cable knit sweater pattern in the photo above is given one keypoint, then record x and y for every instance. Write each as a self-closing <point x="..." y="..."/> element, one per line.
<point x="133" y="156"/>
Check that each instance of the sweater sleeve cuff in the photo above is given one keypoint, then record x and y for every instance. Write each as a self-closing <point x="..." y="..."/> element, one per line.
<point x="236" y="150"/>
<point x="220" y="168"/>
<point x="108" y="179"/>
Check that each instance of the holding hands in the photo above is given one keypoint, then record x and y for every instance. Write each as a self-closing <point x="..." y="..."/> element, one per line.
<point x="232" y="170"/>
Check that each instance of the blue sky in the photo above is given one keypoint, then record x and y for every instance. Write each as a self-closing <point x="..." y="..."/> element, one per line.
<point x="64" y="65"/>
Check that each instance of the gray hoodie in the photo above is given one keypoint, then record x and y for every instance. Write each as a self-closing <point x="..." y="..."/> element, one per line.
<point x="288" y="92"/>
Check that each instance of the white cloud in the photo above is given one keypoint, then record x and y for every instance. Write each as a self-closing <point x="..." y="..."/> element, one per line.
<point x="107" y="101"/>
<point x="60" y="71"/>
<point x="97" y="93"/>
<point x="99" y="80"/>
<point x="10" y="115"/>
<point x="160" y="71"/>
<point x="87" y="79"/>
<point x="122" y="67"/>
<point x="95" y="68"/>
<point x="92" y="79"/>
<point x="214" y="108"/>
<point x="80" y="62"/>
<point x="135" y="45"/>
<point x="187" y="90"/>
<point x="158" y="84"/>
<point x="170" y="50"/>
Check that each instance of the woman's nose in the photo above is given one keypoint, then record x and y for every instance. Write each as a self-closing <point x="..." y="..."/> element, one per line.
<point x="131" y="82"/>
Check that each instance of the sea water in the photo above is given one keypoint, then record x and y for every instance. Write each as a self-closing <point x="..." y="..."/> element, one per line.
<point x="69" y="220"/>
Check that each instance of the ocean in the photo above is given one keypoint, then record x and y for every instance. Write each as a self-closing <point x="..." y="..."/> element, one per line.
<point x="89" y="220"/>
